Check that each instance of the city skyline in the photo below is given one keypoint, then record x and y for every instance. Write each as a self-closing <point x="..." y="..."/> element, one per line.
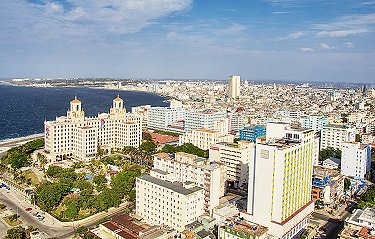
<point x="301" y="40"/>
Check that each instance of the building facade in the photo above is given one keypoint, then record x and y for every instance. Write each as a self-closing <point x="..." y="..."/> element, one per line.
<point x="234" y="86"/>
<point x="251" y="133"/>
<point x="279" y="196"/>
<point x="333" y="135"/>
<point x="236" y="158"/>
<point x="204" y="138"/>
<point x="327" y="186"/>
<point x="315" y="122"/>
<point x="183" y="167"/>
<point x="355" y="159"/>
<point x="167" y="118"/>
<point x="206" y="119"/>
<point x="79" y="137"/>
<point x="173" y="204"/>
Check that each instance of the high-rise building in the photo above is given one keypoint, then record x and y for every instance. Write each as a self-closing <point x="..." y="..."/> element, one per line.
<point x="355" y="159"/>
<point x="333" y="135"/>
<point x="234" y="86"/>
<point x="236" y="158"/>
<point x="279" y="192"/>
<point x="80" y="137"/>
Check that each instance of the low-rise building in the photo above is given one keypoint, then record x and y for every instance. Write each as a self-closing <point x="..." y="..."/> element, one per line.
<point x="238" y="229"/>
<point x="327" y="185"/>
<point x="359" y="225"/>
<point x="205" y="138"/>
<point x="332" y="162"/>
<point x="251" y="133"/>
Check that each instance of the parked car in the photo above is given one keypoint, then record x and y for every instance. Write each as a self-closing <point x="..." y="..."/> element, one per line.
<point x="28" y="209"/>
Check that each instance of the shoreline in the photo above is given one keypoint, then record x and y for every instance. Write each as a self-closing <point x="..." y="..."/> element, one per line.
<point x="7" y="144"/>
<point x="90" y="87"/>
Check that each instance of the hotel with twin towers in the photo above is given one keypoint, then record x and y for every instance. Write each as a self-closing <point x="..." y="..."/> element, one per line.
<point x="75" y="136"/>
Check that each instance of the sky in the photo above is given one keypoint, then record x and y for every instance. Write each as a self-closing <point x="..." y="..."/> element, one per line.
<point x="298" y="40"/>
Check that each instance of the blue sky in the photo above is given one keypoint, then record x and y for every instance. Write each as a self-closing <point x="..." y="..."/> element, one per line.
<point x="302" y="40"/>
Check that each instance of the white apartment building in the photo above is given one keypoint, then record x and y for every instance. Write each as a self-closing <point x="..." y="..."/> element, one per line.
<point x="236" y="158"/>
<point x="279" y="192"/>
<point x="183" y="167"/>
<point x="237" y="120"/>
<point x="171" y="203"/>
<point x="333" y="135"/>
<point x="355" y="159"/>
<point x="206" y="119"/>
<point x="163" y="118"/>
<point x="315" y="122"/>
<point x="79" y="137"/>
<point x="234" y="86"/>
<point x="204" y="138"/>
<point x="142" y="110"/>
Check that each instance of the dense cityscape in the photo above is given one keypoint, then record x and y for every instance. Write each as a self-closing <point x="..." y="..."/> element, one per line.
<point x="190" y="119"/>
<point x="234" y="159"/>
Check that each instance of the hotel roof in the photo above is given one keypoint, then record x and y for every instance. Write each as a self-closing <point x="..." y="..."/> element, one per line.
<point x="175" y="186"/>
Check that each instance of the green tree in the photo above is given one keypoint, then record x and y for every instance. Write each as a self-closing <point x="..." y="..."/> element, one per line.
<point x="148" y="147"/>
<point x="168" y="149"/>
<point x="100" y="180"/>
<point x="146" y="136"/>
<point x="16" y="233"/>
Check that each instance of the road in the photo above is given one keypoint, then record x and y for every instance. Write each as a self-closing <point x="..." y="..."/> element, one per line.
<point x="334" y="224"/>
<point x="29" y="219"/>
<point x="51" y="226"/>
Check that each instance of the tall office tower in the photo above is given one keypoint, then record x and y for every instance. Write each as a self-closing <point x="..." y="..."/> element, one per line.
<point x="234" y="86"/>
<point x="363" y="89"/>
<point x="279" y="192"/>
<point x="333" y="135"/>
<point x="356" y="159"/>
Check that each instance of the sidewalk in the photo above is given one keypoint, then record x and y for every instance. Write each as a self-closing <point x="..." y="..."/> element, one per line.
<point x="51" y="221"/>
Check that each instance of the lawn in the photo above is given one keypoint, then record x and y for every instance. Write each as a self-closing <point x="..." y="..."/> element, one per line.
<point x="32" y="176"/>
<point x="12" y="223"/>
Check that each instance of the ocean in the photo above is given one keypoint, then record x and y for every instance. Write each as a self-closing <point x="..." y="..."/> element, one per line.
<point x="23" y="110"/>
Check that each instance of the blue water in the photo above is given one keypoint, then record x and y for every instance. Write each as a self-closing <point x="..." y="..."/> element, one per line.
<point x="24" y="109"/>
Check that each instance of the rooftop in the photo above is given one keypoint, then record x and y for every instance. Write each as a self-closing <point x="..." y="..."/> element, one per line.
<point x="175" y="186"/>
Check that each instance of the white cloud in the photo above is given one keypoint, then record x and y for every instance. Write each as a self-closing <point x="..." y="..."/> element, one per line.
<point x="306" y="49"/>
<point x="94" y="16"/>
<point x="291" y="36"/>
<point x="341" y="33"/>
<point x="349" y="44"/>
<point x="326" y="47"/>
<point x="234" y="28"/>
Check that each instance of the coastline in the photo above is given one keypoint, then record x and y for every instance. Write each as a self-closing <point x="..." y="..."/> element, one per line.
<point x="7" y="144"/>
<point x="90" y="87"/>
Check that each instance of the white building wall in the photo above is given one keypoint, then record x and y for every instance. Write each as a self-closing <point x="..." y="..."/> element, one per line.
<point x="355" y="159"/>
